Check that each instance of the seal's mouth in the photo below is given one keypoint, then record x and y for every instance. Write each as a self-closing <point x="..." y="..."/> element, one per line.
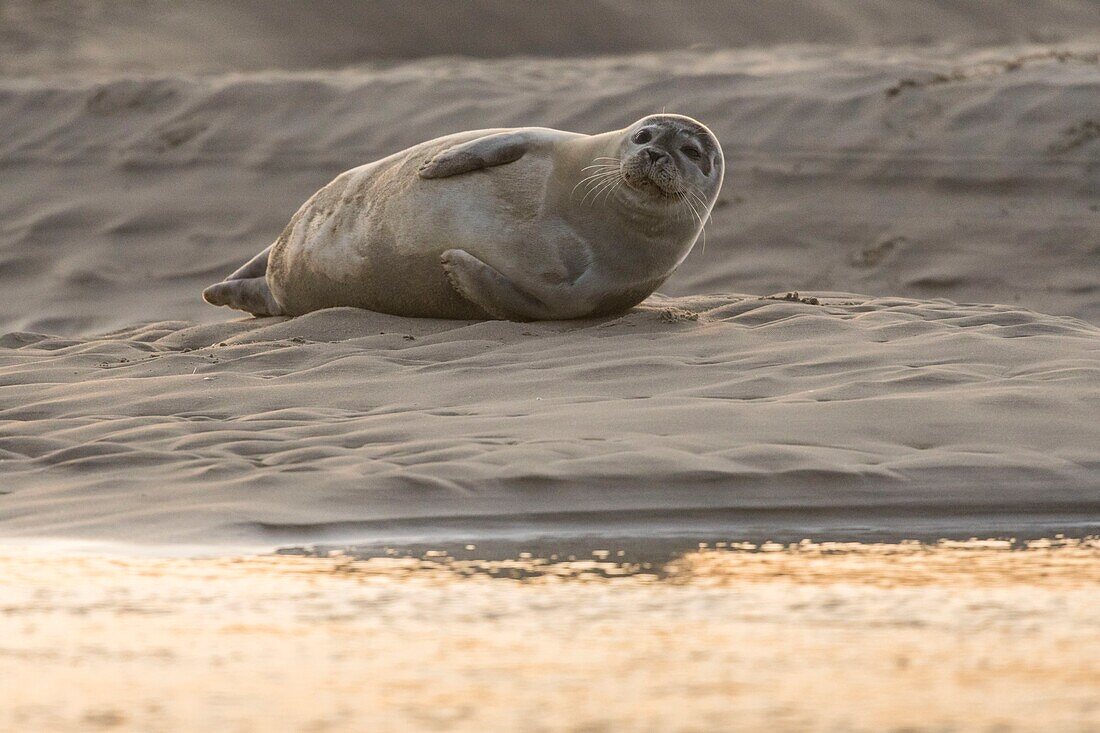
<point x="656" y="176"/>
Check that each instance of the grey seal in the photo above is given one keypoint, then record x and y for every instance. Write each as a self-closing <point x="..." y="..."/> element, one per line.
<point x="522" y="224"/>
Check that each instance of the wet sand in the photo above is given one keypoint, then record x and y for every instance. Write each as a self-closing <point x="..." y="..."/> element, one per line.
<point x="971" y="636"/>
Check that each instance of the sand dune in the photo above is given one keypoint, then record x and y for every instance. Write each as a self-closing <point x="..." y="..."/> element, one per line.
<point x="83" y="36"/>
<point x="135" y="170"/>
<point x="970" y="177"/>
<point x="345" y="425"/>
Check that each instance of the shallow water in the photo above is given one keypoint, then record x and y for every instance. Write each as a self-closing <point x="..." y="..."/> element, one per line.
<point x="970" y="636"/>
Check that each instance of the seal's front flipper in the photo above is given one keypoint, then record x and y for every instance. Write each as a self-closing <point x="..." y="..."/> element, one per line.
<point x="250" y="295"/>
<point x="485" y="152"/>
<point x="488" y="288"/>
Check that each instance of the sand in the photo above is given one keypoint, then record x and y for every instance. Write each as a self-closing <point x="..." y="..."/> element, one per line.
<point x="890" y="333"/>
<point x="95" y="36"/>
<point x="691" y="413"/>
<point x="969" y="175"/>
<point x="949" y="637"/>
<point x="932" y="180"/>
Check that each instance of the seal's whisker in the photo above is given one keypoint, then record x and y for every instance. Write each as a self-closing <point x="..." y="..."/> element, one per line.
<point x="681" y="211"/>
<point x="684" y="193"/>
<point x="593" y="186"/>
<point x="694" y="193"/>
<point x="603" y="186"/>
<point x="603" y="170"/>
<point x="593" y="183"/>
<point x="611" y="190"/>
<point x="613" y="163"/>
<point x="702" y="204"/>
<point x="694" y="211"/>
<point x="684" y="197"/>
<point x="689" y="210"/>
<point x="594" y="190"/>
<point x="590" y="180"/>
<point x="594" y="176"/>
<point x="698" y="195"/>
<point x="703" y="229"/>
<point x="613" y="171"/>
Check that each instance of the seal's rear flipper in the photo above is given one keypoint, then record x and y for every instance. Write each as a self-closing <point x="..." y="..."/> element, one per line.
<point x="250" y="295"/>
<point x="246" y="289"/>
<point x="255" y="267"/>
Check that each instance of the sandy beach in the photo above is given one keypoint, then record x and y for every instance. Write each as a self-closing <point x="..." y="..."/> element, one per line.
<point x="687" y="415"/>
<point x="930" y="181"/>
<point x="356" y="521"/>
<point x="948" y="173"/>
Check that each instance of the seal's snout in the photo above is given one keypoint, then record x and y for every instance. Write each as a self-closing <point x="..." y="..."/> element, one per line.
<point x="652" y="170"/>
<point x="656" y="156"/>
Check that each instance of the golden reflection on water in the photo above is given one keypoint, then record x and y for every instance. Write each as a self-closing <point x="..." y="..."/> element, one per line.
<point x="979" y="635"/>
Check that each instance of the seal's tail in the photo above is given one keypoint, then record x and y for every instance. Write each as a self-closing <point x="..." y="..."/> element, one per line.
<point x="246" y="289"/>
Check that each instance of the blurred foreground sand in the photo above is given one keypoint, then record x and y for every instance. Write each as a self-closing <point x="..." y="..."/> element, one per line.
<point x="947" y="637"/>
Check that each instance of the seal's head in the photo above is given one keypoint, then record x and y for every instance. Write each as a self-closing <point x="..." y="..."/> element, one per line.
<point x="671" y="157"/>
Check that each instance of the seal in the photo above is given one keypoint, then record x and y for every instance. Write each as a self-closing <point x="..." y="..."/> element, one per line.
<point x="519" y="224"/>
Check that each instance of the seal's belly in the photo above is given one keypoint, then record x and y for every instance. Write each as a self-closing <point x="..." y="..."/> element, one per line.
<point x="373" y="237"/>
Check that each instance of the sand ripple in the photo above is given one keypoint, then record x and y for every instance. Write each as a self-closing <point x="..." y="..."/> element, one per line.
<point x="969" y="175"/>
<point x="347" y="425"/>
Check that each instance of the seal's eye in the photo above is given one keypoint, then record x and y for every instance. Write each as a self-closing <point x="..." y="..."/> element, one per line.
<point x="691" y="152"/>
<point x="642" y="136"/>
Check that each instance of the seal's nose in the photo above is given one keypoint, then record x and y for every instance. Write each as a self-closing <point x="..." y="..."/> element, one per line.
<point x="655" y="155"/>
